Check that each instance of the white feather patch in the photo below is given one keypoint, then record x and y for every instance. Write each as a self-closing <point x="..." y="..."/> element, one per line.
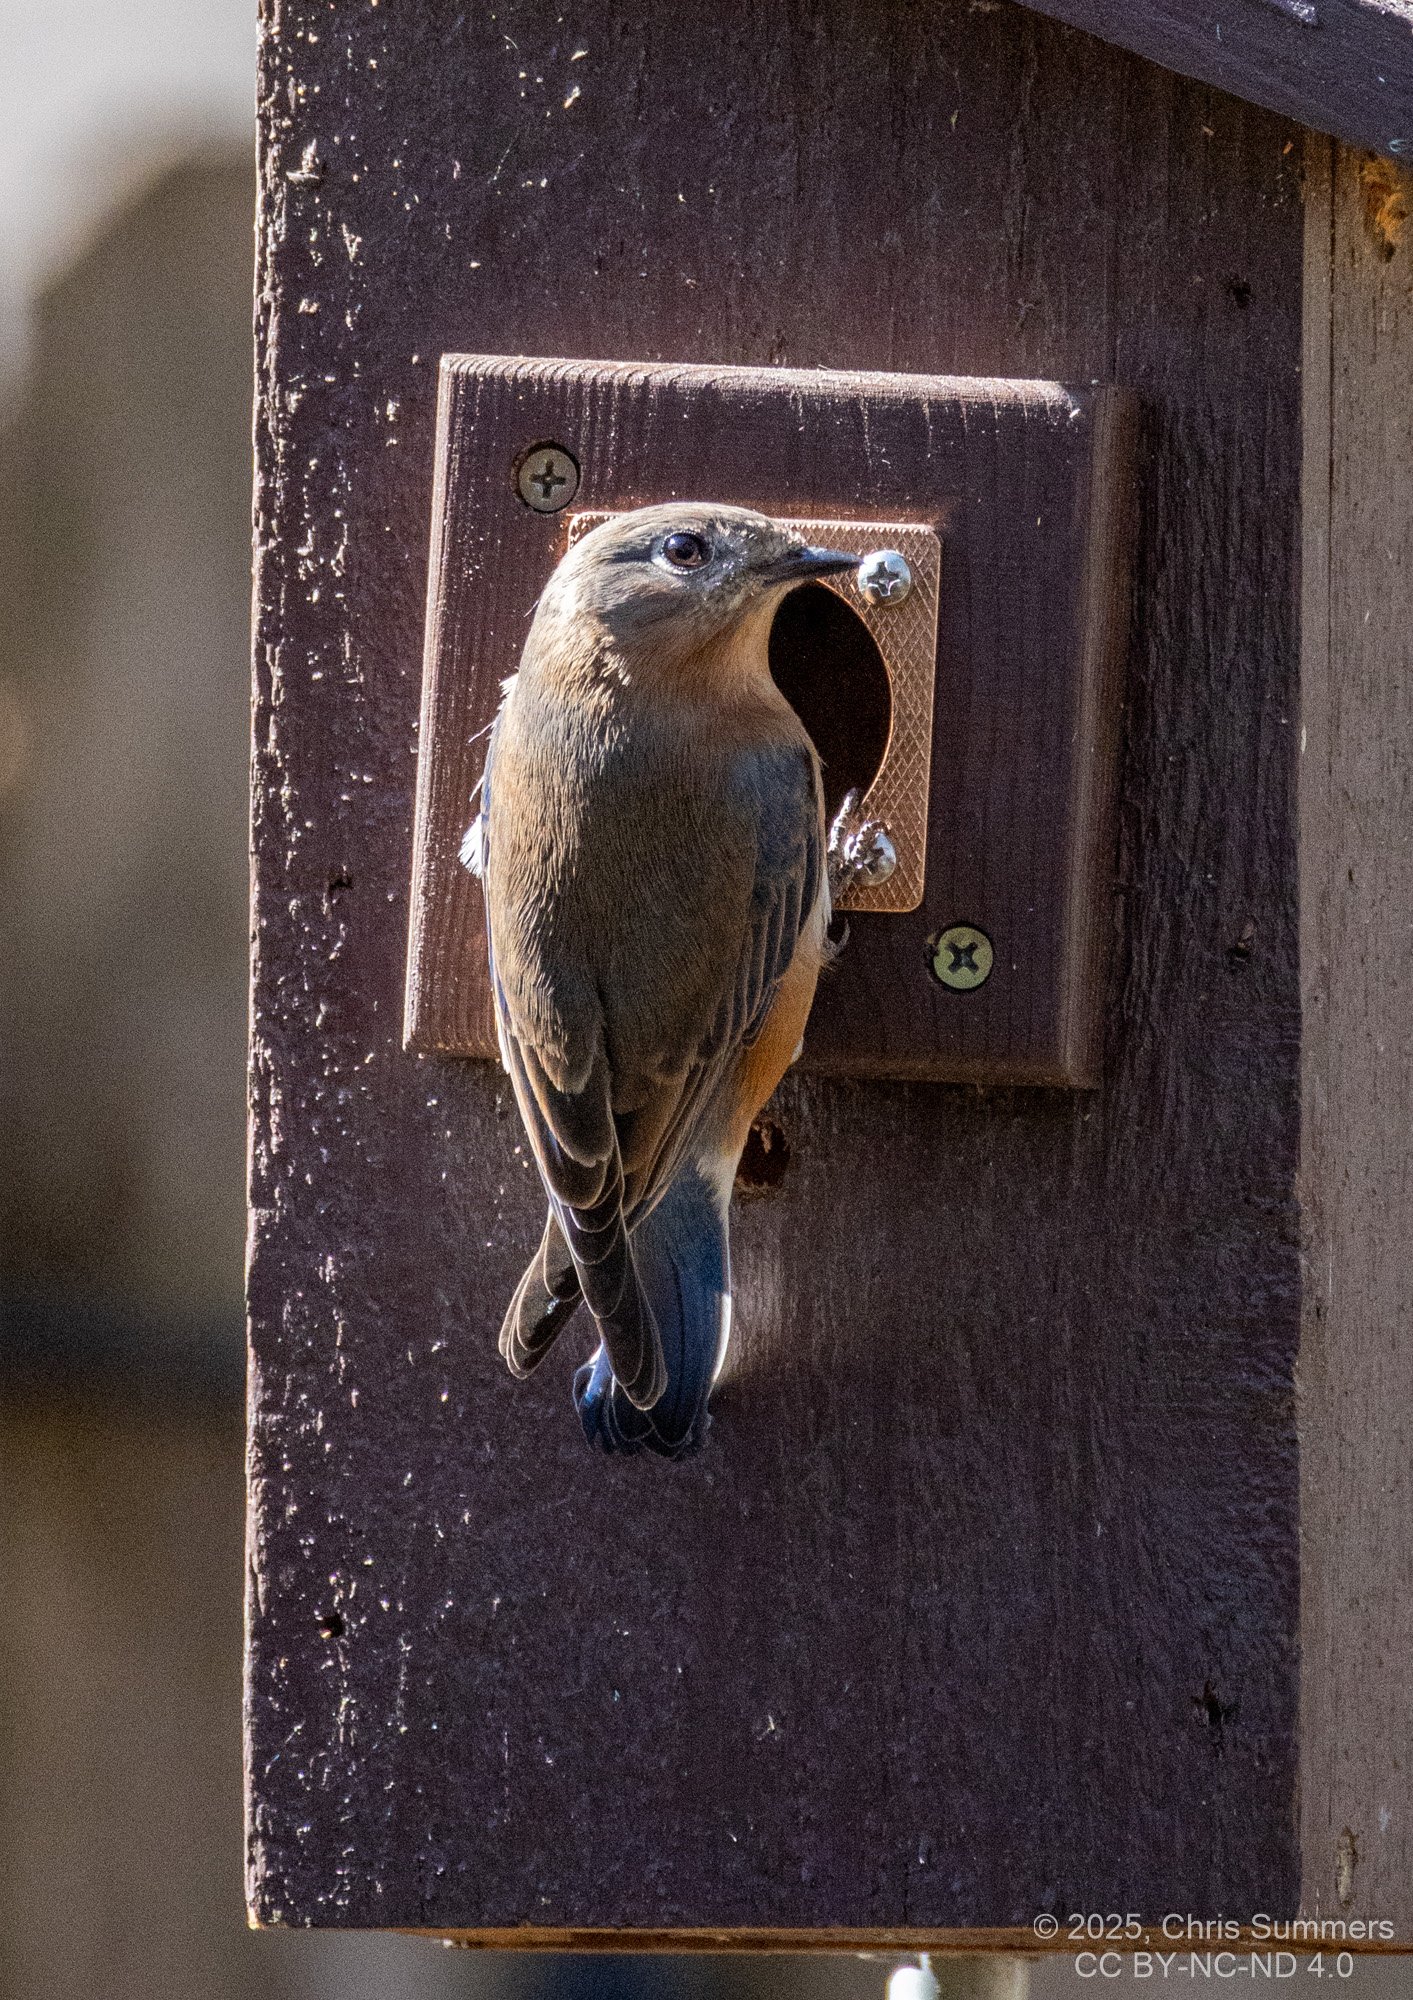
<point x="723" y="1340"/>
<point x="473" y="847"/>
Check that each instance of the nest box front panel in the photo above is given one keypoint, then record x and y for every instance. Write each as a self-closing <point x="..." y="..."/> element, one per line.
<point x="978" y="717"/>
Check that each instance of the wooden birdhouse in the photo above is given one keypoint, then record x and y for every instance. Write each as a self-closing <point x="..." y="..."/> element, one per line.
<point x="1050" y="1550"/>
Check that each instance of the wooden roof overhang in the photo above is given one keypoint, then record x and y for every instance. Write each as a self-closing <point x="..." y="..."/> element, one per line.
<point x="1341" y="66"/>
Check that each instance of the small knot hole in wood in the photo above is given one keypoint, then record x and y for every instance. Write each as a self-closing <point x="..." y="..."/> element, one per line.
<point x="764" y="1158"/>
<point x="826" y="663"/>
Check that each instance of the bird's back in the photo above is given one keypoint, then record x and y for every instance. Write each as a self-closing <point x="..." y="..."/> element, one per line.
<point x="620" y="876"/>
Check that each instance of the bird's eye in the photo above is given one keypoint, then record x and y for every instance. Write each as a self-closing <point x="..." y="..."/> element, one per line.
<point x="686" y="551"/>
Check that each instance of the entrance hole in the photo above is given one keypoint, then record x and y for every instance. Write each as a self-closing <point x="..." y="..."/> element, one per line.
<point x="826" y="663"/>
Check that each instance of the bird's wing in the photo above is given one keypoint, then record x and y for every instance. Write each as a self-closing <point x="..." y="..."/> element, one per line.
<point x="576" y="1148"/>
<point x="780" y="792"/>
<point x="609" y="1137"/>
<point x="789" y="870"/>
<point x="569" y="1123"/>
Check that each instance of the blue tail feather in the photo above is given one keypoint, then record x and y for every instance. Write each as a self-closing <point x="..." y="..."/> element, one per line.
<point x="682" y="1260"/>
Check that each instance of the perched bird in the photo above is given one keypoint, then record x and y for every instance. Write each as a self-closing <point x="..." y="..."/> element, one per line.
<point x="652" y="845"/>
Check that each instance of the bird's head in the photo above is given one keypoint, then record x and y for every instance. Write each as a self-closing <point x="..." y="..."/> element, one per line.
<point x="662" y="586"/>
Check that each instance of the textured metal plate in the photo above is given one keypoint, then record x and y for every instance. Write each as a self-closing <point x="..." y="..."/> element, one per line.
<point x="906" y="637"/>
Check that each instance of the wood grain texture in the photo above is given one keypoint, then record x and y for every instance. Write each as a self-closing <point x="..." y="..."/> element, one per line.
<point x="1341" y="66"/>
<point x="1029" y="485"/>
<point x="1356" y="809"/>
<point x="983" y="1596"/>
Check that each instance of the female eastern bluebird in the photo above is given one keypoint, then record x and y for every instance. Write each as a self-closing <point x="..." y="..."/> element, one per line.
<point x="652" y="845"/>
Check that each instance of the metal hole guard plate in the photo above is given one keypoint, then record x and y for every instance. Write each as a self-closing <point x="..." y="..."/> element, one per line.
<point x="1028" y="487"/>
<point x="906" y="637"/>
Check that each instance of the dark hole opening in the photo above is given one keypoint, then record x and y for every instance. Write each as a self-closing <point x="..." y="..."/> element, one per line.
<point x="331" y="1625"/>
<point x="764" y="1159"/>
<point x="825" y="662"/>
<point x="1214" y="1711"/>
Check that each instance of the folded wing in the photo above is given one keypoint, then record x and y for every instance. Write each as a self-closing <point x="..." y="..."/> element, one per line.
<point x="610" y="1136"/>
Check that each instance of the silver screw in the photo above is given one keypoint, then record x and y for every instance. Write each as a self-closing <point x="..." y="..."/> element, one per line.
<point x="884" y="577"/>
<point x="961" y="958"/>
<point x="547" y="478"/>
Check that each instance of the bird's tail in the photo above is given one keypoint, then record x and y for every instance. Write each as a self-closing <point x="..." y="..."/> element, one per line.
<point x="682" y="1261"/>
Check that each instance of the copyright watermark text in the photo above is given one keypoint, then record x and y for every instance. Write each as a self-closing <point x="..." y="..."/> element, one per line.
<point x="1119" y="1945"/>
<point x="1203" y="1965"/>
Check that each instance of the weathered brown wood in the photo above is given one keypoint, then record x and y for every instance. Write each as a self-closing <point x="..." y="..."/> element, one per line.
<point x="1341" y="66"/>
<point x="983" y="1596"/>
<point x="1356" y="812"/>
<point x="1028" y="484"/>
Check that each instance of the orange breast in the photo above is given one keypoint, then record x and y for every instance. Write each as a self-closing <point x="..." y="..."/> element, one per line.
<point x="770" y="1055"/>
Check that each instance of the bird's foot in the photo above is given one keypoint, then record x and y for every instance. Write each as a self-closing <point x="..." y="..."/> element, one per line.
<point x="860" y="849"/>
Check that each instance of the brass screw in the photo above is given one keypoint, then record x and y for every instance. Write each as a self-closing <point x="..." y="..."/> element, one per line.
<point x="961" y="957"/>
<point x="547" y="478"/>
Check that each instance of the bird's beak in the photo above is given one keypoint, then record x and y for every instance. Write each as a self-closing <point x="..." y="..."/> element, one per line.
<point x="799" y="565"/>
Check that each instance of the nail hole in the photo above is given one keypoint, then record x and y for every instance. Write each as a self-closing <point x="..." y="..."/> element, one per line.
<point x="1386" y="204"/>
<point x="1239" y="292"/>
<point x="826" y="663"/>
<point x="337" y="885"/>
<point x="331" y="1625"/>
<point x="764" y="1159"/>
<point x="1240" y="948"/>
<point x="1215" y="1712"/>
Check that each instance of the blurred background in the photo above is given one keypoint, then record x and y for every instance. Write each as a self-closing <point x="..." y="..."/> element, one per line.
<point x="125" y="278"/>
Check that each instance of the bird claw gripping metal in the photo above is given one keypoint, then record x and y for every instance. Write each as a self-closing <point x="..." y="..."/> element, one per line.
<point x="860" y="849"/>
